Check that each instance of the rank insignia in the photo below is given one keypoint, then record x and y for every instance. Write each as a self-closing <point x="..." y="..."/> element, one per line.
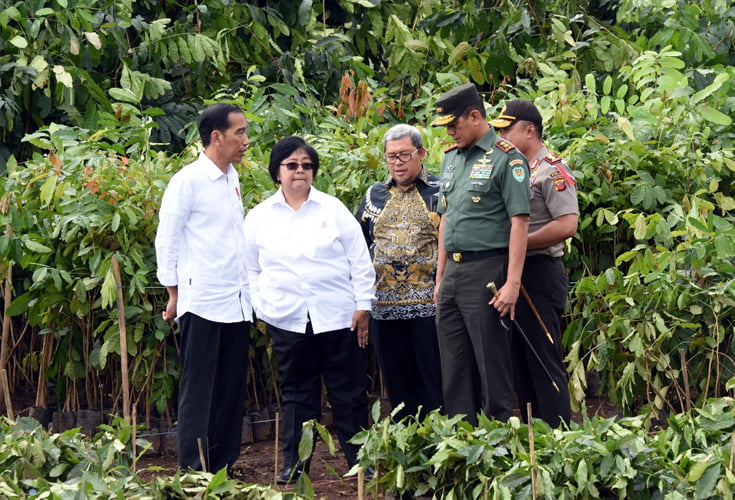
<point x="519" y="174"/>
<point x="560" y="184"/>
<point x="504" y="145"/>
<point x="476" y="199"/>
<point x="550" y="158"/>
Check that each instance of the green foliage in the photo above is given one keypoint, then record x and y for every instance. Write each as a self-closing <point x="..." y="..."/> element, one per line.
<point x="97" y="100"/>
<point x="67" y="213"/>
<point x="36" y="464"/>
<point x="599" y="458"/>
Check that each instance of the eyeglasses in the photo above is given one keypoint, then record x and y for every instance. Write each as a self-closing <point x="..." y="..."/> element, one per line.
<point x="292" y="165"/>
<point x="404" y="157"/>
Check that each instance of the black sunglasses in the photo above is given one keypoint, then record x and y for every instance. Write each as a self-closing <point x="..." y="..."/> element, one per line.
<point x="292" y="165"/>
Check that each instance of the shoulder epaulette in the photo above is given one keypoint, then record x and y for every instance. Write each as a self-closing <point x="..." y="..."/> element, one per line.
<point x="450" y="148"/>
<point x="504" y="145"/>
<point x="551" y="158"/>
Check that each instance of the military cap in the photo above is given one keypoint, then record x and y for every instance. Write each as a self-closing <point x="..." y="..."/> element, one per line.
<point x="453" y="104"/>
<point x="514" y="111"/>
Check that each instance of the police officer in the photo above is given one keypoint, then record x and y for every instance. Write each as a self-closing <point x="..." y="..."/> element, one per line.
<point x="554" y="217"/>
<point x="484" y="202"/>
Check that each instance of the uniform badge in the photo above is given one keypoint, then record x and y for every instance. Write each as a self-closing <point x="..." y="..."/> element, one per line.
<point x="560" y="184"/>
<point x="481" y="171"/>
<point x="444" y="201"/>
<point x="476" y="199"/>
<point x="504" y="145"/>
<point x="519" y="174"/>
<point x="515" y="162"/>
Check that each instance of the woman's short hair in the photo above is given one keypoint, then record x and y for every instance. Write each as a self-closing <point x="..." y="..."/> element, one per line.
<point x="283" y="150"/>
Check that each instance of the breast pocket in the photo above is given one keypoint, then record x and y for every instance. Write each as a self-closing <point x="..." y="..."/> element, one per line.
<point x="480" y="187"/>
<point x="327" y="244"/>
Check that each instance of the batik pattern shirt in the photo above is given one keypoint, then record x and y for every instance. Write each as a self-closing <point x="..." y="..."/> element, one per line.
<point x="401" y="229"/>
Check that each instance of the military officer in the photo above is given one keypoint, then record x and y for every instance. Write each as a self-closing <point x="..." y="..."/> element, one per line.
<point x="484" y="202"/>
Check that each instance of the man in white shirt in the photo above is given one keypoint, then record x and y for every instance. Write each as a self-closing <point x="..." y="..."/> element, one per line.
<point x="199" y="248"/>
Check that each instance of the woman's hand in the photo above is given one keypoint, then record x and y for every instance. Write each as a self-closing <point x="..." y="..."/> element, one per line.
<point x="360" y="322"/>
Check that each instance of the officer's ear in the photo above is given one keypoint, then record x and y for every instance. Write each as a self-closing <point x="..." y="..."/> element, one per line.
<point x="475" y="116"/>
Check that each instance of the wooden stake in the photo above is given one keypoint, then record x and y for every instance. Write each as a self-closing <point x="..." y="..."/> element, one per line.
<point x="532" y="450"/>
<point x="276" y="448"/>
<point x="7" y="298"/>
<point x="135" y="423"/>
<point x="360" y="484"/>
<point x="377" y="481"/>
<point x="6" y="393"/>
<point x="685" y="375"/>
<point x="123" y="340"/>
<point x="201" y="455"/>
<point x="5" y="346"/>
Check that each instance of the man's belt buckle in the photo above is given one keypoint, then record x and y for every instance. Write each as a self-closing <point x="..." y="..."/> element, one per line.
<point x="457" y="257"/>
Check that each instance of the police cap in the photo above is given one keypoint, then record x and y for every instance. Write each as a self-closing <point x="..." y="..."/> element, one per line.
<point x="517" y="110"/>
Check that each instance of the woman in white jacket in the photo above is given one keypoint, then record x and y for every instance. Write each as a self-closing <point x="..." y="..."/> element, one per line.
<point x="311" y="283"/>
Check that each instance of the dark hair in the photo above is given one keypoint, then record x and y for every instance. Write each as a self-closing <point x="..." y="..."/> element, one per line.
<point x="215" y="117"/>
<point x="479" y="107"/>
<point x="283" y="150"/>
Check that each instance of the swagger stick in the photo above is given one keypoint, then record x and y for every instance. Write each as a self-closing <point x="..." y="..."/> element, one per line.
<point x="491" y="287"/>
<point x="535" y="313"/>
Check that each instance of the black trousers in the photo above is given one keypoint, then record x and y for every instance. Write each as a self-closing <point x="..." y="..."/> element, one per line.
<point x="474" y="347"/>
<point x="214" y="362"/>
<point x="546" y="282"/>
<point x="303" y="359"/>
<point x="408" y="354"/>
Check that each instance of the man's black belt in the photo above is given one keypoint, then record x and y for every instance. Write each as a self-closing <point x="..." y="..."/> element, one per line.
<point x="476" y="255"/>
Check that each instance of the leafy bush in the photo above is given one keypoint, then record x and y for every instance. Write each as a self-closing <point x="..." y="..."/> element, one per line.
<point x="599" y="458"/>
<point x="36" y="464"/>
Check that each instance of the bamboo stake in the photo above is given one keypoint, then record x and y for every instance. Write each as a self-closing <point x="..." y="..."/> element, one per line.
<point x="201" y="455"/>
<point x="7" y="297"/>
<point x="532" y="450"/>
<point x="360" y="484"/>
<point x="135" y="425"/>
<point x="685" y="374"/>
<point x="6" y="393"/>
<point x="377" y="481"/>
<point x="276" y="448"/>
<point x="5" y="347"/>
<point x="123" y="339"/>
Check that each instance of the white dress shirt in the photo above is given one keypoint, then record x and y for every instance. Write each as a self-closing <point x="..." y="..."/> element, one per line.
<point x="200" y="243"/>
<point x="312" y="263"/>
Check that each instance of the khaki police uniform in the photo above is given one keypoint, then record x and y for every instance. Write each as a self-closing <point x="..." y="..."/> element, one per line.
<point x="482" y="187"/>
<point x="553" y="194"/>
